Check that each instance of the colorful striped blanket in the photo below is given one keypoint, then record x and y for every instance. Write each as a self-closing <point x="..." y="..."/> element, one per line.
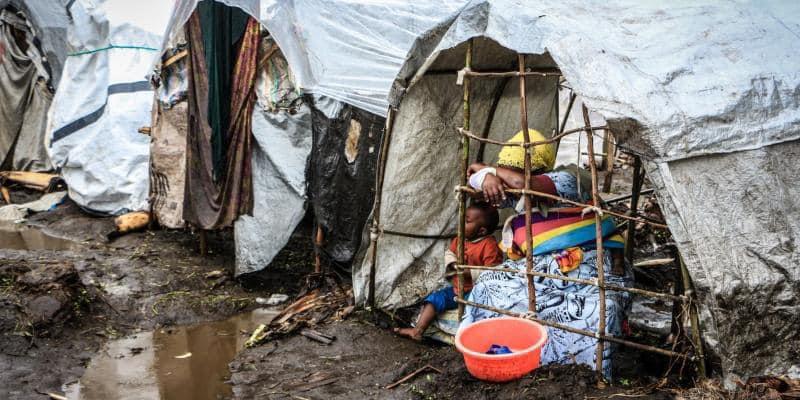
<point x="561" y="229"/>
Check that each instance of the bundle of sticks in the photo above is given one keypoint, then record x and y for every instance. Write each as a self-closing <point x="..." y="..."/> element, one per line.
<point x="306" y="312"/>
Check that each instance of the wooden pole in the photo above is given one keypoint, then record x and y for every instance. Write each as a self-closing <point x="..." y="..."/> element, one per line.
<point x="523" y="110"/>
<point x="601" y="330"/>
<point x="665" y="296"/>
<point x="574" y="203"/>
<point x="635" y="191"/>
<point x="203" y="234"/>
<point x="317" y="245"/>
<point x="610" y="155"/>
<point x="376" y="213"/>
<point x="695" y="319"/>
<point x="553" y="139"/>
<point x="572" y="97"/>
<point x="556" y="110"/>
<point x="462" y="198"/>
<point x="568" y="328"/>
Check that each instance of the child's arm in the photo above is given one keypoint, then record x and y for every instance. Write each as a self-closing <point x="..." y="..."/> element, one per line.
<point x="450" y="260"/>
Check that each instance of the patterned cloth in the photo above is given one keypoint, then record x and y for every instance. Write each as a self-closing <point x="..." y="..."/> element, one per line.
<point x="212" y="203"/>
<point x="567" y="303"/>
<point x="563" y="302"/>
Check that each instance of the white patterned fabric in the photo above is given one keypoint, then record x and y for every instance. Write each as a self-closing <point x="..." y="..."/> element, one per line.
<point x="563" y="302"/>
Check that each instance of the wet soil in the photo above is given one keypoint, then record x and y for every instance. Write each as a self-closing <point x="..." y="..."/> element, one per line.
<point x="60" y="304"/>
<point x="181" y="362"/>
<point x="365" y="358"/>
<point x="106" y="319"/>
<point x="17" y="237"/>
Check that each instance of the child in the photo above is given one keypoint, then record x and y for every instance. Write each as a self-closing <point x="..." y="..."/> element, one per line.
<point x="480" y="248"/>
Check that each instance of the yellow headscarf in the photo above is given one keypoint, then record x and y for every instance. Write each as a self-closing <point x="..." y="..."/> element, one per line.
<point x="543" y="156"/>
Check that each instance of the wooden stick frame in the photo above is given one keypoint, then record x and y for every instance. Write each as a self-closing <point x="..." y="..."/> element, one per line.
<point x="466" y="135"/>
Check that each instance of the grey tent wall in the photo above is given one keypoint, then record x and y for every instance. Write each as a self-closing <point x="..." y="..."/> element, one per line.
<point x="49" y="18"/>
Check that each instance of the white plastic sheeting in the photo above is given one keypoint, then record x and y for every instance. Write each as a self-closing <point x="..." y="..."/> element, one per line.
<point x="283" y="145"/>
<point x="710" y="92"/>
<point x="102" y="100"/>
<point x="349" y="51"/>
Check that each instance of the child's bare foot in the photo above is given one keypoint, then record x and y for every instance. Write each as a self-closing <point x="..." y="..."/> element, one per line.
<point x="411" y="333"/>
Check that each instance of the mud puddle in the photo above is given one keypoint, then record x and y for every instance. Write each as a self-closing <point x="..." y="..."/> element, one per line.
<point x="181" y="362"/>
<point x="17" y="237"/>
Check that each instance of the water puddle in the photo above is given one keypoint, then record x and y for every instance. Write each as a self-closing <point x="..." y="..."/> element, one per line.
<point x="17" y="237"/>
<point x="183" y="362"/>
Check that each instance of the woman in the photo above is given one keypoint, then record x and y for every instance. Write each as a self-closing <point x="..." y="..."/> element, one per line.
<point x="563" y="243"/>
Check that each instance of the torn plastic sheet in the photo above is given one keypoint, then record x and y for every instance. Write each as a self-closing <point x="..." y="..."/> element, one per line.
<point x="341" y="177"/>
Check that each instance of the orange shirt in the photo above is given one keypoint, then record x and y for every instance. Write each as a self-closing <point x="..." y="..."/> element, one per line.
<point x="480" y="252"/>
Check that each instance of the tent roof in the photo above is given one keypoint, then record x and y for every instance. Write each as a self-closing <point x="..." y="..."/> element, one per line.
<point x="347" y="50"/>
<point x="691" y="78"/>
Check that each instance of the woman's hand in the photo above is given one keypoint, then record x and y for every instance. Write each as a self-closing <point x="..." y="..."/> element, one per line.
<point x="493" y="190"/>
<point x="475" y="167"/>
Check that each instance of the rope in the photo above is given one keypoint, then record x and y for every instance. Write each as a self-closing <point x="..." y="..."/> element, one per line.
<point x="80" y="53"/>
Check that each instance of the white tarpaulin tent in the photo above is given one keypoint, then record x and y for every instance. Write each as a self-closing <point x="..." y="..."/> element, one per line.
<point x="707" y="90"/>
<point x="103" y="99"/>
<point x="338" y="51"/>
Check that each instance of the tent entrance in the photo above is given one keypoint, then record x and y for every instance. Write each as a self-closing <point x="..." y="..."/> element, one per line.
<point x="508" y="89"/>
<point x="522" y="73"/>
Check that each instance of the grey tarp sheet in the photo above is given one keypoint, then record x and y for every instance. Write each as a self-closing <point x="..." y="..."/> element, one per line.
<point x="422" y="168"/>
<point x="102" y="101"/>
<point x="49" y="20"/>
<point x="283" y="144"/>
<point x="710" y="92"/>
<point x="282" y="132"/>
<point x="26" y="97"/>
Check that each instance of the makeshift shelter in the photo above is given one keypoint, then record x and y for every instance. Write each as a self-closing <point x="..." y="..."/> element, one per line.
<point x="708" y="92"/>
<point x="103" y="100"/>
<point x="32" y="52"/>
<point x="320" y="147"/>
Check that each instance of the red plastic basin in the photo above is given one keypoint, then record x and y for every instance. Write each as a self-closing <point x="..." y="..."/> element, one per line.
<point x="525" y="338"/>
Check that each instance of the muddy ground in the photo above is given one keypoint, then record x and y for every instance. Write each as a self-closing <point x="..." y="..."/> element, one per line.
<point x="59" y="308"/>
<point x="364" y="359"/>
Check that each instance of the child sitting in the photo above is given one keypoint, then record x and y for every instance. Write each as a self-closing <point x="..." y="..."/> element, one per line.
<point x="480" y="248"/>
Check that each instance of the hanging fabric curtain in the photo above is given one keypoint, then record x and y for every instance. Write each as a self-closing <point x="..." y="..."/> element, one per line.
<point x="218" y="180"/>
